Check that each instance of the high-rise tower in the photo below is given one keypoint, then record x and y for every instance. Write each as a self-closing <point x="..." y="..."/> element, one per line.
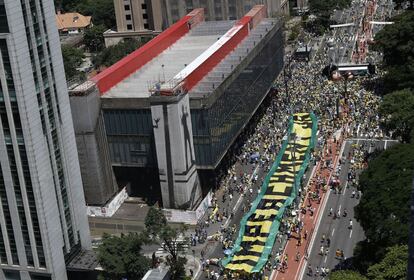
<point x="42" y="207"/>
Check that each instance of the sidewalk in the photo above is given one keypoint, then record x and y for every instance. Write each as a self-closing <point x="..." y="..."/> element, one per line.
<point x="311" y="221"/>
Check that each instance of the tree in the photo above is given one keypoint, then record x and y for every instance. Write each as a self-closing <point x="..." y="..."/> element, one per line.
<point x="102" y="11"/>
<point x="93" y="38"/>
<point x="66" y="5"/>
<point x="400" y="2"/>
<point x="323" y="10"/>
<point x="393" y="266"/>
<point x="172" y="239"/>
<point x="395" y="42"/>
<point x="72" y="59"/>
<point x="120" y="257"/>
<point x="398" y="77"/>
<point x="155" y="220"/>
<point x="383" y="211"/>
<point x="112" y="54"/>
<point x="346" y="275"/>
<point x="398" y="110"/>
<point x="327" y="6"/>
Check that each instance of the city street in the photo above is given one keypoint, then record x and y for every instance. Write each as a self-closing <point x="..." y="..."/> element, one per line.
<point x="361" y="129"/>
<point x="337" y="229"/>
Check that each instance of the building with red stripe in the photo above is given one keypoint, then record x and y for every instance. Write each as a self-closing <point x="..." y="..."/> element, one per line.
<point x="164" y="117"/>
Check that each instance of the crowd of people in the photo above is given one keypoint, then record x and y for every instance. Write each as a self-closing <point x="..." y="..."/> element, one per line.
<point x="354" y="112"/>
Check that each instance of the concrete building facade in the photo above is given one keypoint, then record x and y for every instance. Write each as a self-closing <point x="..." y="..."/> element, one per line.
<point x="43" y="220"/>
<point x="140" y="18"/>
<point x="221" y="9"/>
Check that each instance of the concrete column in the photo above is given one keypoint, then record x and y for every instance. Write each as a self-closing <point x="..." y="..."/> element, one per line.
<point x="99" y="182"/>
<point x="173" y="134"/>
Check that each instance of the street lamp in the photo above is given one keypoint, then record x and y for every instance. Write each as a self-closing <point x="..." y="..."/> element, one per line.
<point x="346" y="76"/>
<point x="293" y="153"/>
<point x="286" y="76"/>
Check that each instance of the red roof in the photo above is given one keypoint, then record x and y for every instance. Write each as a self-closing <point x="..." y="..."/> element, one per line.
<point x="131" y="63"/>
<point x="134" y="61"/>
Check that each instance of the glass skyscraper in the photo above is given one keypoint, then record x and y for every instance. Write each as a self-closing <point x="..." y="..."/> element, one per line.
<point x="43" y="218"/>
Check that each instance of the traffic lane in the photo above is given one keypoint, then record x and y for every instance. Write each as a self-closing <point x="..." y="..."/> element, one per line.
<point x="326" y="227"/>
<point x="214" y="249"/>
<point x="348" y="238"/>
<point x="336" y="229"/>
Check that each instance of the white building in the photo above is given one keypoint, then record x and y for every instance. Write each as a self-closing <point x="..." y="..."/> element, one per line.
<point x="42" y="207"/>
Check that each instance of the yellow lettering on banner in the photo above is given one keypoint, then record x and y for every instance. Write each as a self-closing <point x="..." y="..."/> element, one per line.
<point x="274" y="197"/>
<point x="254" y="238"/>
<point x="241" y="266"/>
<point x="247" y="257"/>
<point x="265" y="225"/>
<point x="257" y="248"/>
<point x="277" y="174"/>
<point x="302" y="150"/>
<point x="287" y="179"/>
<point x="265" y="212"/>
<point x="279" y="187"/>
<point x="289" y="165"/>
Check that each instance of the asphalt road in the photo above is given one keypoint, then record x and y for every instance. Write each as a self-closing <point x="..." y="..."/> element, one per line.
<point x="345" y="36"/>
<point x="337" y="230"/>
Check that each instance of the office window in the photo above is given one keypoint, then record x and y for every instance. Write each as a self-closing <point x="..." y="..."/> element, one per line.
<point x="146" y="25"/>
<point x="144" y="6"/>
<point x="145" y="16"/>
<point x="127" y="7"/>
<point x="128" y="17"/>
<point x="189" y="4"/>
<point x="4" y="28"/>
<point x="129" y="26"/>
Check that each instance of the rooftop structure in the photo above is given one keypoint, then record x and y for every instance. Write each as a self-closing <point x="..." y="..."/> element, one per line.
<point x="181" y="56"/>
<point x="72" y="22"/>
<point x="170" y="62"/>
<point x="172" y="108"/>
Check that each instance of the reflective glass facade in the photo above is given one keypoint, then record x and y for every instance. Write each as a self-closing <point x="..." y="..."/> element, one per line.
<point x="216" y="127"/>
<point x="131" y="137"/>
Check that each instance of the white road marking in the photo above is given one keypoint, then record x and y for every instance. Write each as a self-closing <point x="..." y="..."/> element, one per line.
<point x="371" y="139"/>
<point x="326" y="257"/>
<point x="350" y="233"/>
<point x="241" y="197"/>
<point x="340" y="205"/>
<point x="198" y="269"/>
<point x="345" y="187"/>
<point x="333" y="231"/>
<point x="385" y="144"/>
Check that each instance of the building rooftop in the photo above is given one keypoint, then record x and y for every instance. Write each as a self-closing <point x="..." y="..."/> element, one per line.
<point x="170" y="62"/>
<point x="185" y="54"/>
<point x="72" y="20"/>
<point x="85" y="260"/>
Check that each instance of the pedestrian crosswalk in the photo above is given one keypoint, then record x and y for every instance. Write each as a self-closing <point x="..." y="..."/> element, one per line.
<point x="182" y="244"/>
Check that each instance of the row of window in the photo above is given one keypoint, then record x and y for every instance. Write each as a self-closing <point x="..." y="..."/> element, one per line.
<point x="32" y="10"/>
<point x="127" y="7"/>
<point x="12" y="154"/>
<point x="50" y="93"/>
